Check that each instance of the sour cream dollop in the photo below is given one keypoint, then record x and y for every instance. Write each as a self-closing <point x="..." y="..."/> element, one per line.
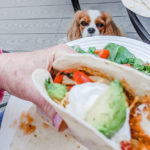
<point x="83" y="96"/>
<point x="81" y="99"/>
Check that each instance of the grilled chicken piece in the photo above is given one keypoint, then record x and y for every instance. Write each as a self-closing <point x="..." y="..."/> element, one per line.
<point x="68" y="81"/>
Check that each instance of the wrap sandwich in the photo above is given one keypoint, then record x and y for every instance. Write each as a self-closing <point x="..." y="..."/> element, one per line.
<point x="105" y="105"/>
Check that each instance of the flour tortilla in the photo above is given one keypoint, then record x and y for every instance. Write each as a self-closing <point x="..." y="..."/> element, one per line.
<point x="47" y="138"/>
<point x="83" y="132"/>
<point x="147" y="3"/>
<point x="140" y="7"/>
<point x="137" y="80"/>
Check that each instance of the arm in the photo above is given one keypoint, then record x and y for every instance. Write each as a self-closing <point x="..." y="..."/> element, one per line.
<point x="16" y="70"/>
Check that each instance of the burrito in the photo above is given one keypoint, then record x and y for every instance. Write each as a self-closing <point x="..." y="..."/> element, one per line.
<point x="104" y="104"/>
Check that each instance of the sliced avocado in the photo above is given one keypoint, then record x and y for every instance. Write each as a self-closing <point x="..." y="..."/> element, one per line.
<point x="108" y="113"/>
<point x="55" y="90"/>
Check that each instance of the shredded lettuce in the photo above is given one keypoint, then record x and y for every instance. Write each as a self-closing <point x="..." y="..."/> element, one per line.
<point x="120" y="55"/>
<point x="78" y="49"/>
<point x="91" y="50"/>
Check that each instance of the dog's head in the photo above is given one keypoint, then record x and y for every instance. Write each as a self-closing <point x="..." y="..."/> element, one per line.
<point x="91" y="23"/>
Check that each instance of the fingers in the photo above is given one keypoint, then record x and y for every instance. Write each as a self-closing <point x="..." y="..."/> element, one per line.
<point x="59" y="51"/>
<point x="63" y="50"/>
<point x="57" y="121"/>
<point x="55" y="52"/>
<point x="47" y="108"/>
<point x="52" y="54"/>
<point x="59" y="124"/>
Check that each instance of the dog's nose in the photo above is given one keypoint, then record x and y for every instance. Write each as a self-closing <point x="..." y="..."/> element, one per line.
<point x="91" y="30"/>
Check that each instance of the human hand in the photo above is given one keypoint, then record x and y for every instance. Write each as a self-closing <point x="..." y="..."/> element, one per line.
<point x="16" y="77"/>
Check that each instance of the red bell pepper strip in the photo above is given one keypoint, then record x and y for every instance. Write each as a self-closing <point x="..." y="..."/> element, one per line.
<point x="78" y="76"/>
<point x="58" y="79"/>
<point x="60" y="75"/>
<point x="102" y="53"/>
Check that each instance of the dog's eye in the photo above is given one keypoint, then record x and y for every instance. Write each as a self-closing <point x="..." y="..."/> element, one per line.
<point x="99" y="24"/>
<point x="83" y="23"/>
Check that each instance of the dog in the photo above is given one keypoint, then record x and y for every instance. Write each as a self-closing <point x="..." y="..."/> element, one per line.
<point x="89" y="23"/>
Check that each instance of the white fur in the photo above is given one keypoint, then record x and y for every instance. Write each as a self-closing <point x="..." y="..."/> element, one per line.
<point x="93" y="14"/>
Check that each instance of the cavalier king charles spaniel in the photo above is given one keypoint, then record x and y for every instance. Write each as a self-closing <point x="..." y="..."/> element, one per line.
<point x="92" y="23"/>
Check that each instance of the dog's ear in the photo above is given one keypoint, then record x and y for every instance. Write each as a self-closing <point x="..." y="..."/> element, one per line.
<point x="110" y="27"/>
<point x="74" y="31"/>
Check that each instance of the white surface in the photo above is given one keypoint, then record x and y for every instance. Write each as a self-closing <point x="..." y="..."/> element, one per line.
<point x="83" y="96"/>
<point x="13" y="111"/>
<point x="46" y="137"/>
<point x="124" y="133"/>
<point x="22" y="142"/>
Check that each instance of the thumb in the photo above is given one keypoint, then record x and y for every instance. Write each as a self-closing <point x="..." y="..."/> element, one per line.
<point x="63" y="50"/>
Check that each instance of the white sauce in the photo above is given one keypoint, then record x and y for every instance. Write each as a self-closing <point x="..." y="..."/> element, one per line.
<point x="124" y="133"/>
<point x="145" y="123"/>
<point x="140" y="108"/>
<point x="83" y="96"/>
<point x="81" y="99"/>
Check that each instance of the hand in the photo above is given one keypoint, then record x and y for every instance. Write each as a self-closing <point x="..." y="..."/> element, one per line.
<point x="15" y="77"/>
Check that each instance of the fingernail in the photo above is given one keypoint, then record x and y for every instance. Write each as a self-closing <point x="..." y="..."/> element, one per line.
<point x="59" y="123"/>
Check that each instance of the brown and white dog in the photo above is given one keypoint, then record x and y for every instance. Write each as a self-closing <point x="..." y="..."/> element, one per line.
<point x="92" y="23"/>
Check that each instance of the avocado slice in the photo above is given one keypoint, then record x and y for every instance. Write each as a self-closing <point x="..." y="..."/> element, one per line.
<point x="55" y="90"/>
<point x="108" y="113"/>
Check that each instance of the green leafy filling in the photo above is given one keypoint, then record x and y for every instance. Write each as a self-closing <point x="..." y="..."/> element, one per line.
<point x="55" y="90"/>
<point x="120" y="55"/>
